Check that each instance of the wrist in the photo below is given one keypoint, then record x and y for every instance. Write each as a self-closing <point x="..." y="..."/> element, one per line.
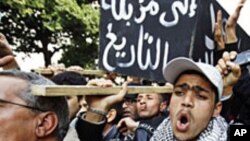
<point x="99" y="106"/>
<point x="95" y="115"/>
<point x="86" y="117"/>
<point x="97" y="111"/>
<point x="136" y="126"/>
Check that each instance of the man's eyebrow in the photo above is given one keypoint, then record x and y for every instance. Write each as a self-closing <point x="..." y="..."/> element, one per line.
<point x="185" y="86"/>
<point x="196" y="88"/>
<point x="139" y="96"/>
<point x="199" y="88"/>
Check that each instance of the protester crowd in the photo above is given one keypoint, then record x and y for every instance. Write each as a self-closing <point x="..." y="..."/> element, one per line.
<point x="201" y="106"/>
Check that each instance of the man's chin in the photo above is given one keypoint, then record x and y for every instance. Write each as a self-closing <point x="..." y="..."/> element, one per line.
<point x="185" y="138"/>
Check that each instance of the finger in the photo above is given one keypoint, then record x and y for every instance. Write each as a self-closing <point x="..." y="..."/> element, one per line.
<point x="218" y="25"/>
<point x="5" y="47"/>
<point x="61" y="67"/>
<point x="239" y="7"/>
<point x="232" y="55"/>
<point x="231" y="24"/>
<point x="235" y="68"/>
<point x="7" y="59"/>
<point x="219" y="69"/>
<point x="121" y="126"/>
<point x="234" y="17"/>
<point x="100" y="83"/>
<point x="219" y="18"/>
<point x="107" y="83"/>
<point x="226" y="56"/>
<point x="223" y="67"/>
<point x="218" y="37"/>
<point x="92" y="82"/>
<point x="217" y="31"/>
<point x="121" y="123"/>
<point x="2" y="37"/>
<point x="74" y="68"/>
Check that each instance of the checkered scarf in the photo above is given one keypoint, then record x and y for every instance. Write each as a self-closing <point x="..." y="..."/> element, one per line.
<point x="216" y="131"/>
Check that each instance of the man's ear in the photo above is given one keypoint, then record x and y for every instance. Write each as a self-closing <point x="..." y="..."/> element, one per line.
<point x="46" y="123"/>
<point x="111" y="115"/>
<point x="163" y="106"/>
<point x="217" y="109"/>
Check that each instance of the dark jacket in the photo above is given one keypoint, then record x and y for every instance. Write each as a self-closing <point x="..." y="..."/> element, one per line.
<point x="146" y="128"/>
<point x="113" y="135"/>
<point x="88" y="131"/>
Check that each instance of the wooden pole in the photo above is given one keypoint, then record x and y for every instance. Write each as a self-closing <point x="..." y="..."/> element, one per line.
<point x="63" y="90"/>
<point x="82" y="72"/>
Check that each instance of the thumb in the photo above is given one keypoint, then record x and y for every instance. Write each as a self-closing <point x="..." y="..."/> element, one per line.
<point x="120" y="124"/>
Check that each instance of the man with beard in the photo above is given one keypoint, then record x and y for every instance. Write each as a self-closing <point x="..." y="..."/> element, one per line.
<point x="195" y="103"/>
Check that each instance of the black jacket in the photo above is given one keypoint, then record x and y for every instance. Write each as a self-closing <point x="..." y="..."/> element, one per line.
<point x="146" y="128"/>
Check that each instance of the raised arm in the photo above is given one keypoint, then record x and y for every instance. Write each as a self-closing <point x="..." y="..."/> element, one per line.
<point x="229" y="37"/>
<point x="230" y="71"/>
<point x="7" y="58"/>
<point x="90" y="125"/>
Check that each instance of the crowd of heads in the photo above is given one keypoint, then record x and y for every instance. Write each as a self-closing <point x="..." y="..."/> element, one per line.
<point x="198" y="87"/>
<point x="191" y="112"/>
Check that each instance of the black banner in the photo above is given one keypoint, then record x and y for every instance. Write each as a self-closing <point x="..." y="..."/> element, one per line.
<point x="139" y="37"/>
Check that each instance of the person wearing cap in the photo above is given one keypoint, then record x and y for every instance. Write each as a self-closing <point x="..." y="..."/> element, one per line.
<point x="195" y="104"/>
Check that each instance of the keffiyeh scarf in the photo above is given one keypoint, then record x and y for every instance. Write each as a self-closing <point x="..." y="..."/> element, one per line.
<point x="216" y="131"/>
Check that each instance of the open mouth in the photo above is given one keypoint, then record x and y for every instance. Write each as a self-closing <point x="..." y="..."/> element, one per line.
<point x="183" y="122"/>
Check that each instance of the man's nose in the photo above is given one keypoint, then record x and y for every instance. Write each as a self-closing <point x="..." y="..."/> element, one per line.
<point x="124" y="105"/>
<point x="188" y="100"/>
<point x="142" y="100"/>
